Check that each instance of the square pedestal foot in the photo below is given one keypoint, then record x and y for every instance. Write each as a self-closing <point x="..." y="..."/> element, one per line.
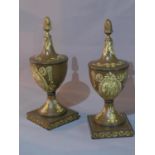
<point x="52" y="122"/>
<point x="98" y="131"/>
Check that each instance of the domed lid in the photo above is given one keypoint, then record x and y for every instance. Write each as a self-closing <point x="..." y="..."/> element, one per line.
<point x="48" y="54"/>
<point x="108" y="59"/>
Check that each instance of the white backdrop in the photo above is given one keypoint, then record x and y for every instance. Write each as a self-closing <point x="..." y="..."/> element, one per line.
<point x="78" y="33"/>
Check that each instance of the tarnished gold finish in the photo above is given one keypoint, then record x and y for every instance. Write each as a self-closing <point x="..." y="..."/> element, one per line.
<point x="98" y="131"/>
<point x="52" y="122"/>
<point x="108" y="76"/>
<point x="49" y="70"/>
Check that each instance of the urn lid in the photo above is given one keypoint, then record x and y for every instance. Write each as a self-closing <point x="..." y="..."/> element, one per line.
<point x="48" y="54"/>
<point x="108" y="59"/>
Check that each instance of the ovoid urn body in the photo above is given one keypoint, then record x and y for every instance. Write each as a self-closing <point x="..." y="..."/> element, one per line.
<point x="49" y="70"/>
<point x="108" y="75"/>
<point x="49" y="76"/>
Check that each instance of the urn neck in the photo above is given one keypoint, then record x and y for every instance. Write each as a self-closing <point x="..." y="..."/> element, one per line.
<point x="109" y="116"/>
<point x="51" y="107"/>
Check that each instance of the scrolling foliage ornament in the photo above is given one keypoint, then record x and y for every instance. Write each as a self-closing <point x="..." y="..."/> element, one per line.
<point x="43" y="77"/>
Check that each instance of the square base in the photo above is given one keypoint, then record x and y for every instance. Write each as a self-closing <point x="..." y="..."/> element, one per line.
<point x="52" y="122"/>
<point x="98" y="131"/>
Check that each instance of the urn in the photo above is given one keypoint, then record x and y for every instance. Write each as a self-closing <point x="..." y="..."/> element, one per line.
<point x="108" y="75"/>
<point x="49" y="70"/>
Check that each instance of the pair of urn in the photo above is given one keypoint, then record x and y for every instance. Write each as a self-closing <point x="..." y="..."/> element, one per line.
<point x="107" y="75"/>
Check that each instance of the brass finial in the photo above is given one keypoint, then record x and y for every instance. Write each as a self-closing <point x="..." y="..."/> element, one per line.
<point x="48" y="45"/>
<point x="108" y="54"/>
<point x="108" y="27"/>
<point x="47" y="24"/>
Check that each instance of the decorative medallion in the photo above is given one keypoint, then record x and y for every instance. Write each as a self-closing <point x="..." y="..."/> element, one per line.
<point x="110" y="86"/>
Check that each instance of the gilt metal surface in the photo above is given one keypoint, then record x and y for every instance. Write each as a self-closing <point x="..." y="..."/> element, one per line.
<point x="49" y="70"/>
<point x="108" y="75"/>
<point x="98" y="131"/>
<point x="52" y="122"/>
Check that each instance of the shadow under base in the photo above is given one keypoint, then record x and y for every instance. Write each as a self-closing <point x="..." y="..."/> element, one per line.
<point x="98" y="131"/>
<point x="52" y="122"/>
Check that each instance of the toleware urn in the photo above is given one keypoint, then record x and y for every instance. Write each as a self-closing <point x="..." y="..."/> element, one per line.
<point x="49" y="70"/>
<point x="108" y="75"/>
